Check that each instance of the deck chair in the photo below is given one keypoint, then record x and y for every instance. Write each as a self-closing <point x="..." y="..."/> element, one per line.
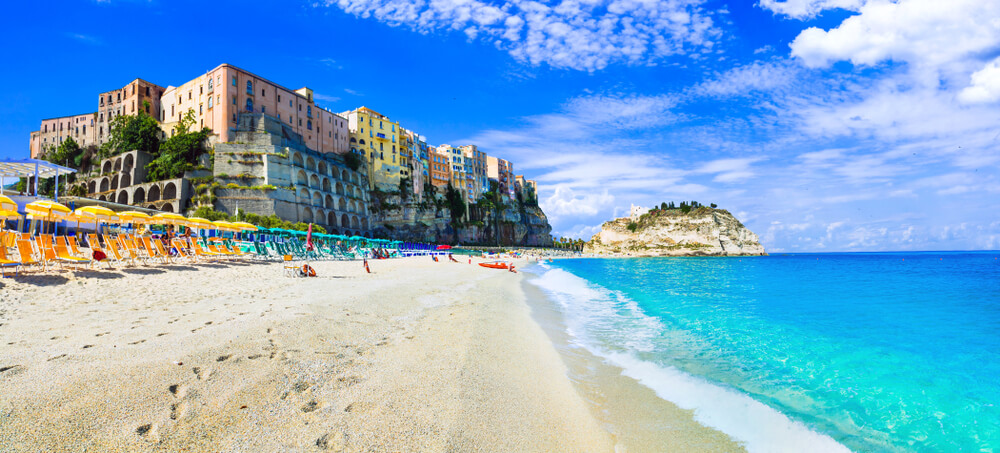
<point x="290" y="268"/>
<point x="202" y="253"/>
<point x="181" y="245"/>
<point x="26" y="253"/>
<point x="5" y="262"/>
<point x="62" y="253"/>
<point x="73" y="247"/>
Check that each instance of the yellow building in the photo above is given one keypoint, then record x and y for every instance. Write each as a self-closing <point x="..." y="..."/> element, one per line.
<point x="376" y="138"/>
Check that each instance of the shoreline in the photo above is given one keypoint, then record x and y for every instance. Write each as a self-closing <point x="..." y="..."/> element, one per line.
<point x="234" y="357"/>
<point x="633" y="413"/>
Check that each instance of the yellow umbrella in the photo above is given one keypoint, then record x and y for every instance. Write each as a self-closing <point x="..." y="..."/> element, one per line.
<point x="134" y="217"/>
<point x="47" y="209"/>
<point x="224" y="225"/>
<point x="245" y="226"/>
<point x="96" y="213"/>
<point x="6" y="204"/>
<point x="198" y="222"/>
<point x="5" y="214"/>
<point x="169" y="218"/>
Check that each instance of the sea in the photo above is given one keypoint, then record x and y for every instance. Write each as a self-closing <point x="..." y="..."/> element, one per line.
<point x="865" y="352"/>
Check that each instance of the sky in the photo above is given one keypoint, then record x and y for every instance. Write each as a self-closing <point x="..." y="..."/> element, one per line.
<point x="823" y="125"/>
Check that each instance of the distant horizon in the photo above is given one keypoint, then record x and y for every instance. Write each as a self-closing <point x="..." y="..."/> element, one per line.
<point x="793" y="115"/>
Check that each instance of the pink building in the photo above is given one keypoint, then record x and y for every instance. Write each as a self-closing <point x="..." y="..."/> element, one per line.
<point x="53" y="131"/>
<point x="219" y="95"/>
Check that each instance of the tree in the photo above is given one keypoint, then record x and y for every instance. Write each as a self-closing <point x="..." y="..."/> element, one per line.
<point x="352" y="161"/>
<point x="66" y="154"/>
<point x="663" y="206"/>
<point x="180" y="152"/>
<point x="455" y="204"/>
<point x="713" y="205"/>
<point x="129" y="132"/>
<point x="490" y="201"/>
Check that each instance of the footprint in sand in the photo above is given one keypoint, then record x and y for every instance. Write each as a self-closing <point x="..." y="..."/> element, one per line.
<point x="87" y="346"/>
<point x="335" y="441"/>
<point x="14" y="369"/>
<point x="137" y="342"/>
<point x="178" y="390"/>
<point x="360" y="406"/>
<point x="223" y="358"/>
<point x="56" y="357"/>
<point x="310" y="406"/>
<point x="149" y="432"/>
<point x="177" y="410"/>
<point x="202" y="373"/>
<point x="161" y="334"/>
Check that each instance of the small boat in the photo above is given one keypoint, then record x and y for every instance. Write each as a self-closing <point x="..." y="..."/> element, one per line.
<point x="494" y="265"/>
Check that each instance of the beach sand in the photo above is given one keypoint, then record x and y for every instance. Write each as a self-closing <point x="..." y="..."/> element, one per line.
<point x="416" y="356"/>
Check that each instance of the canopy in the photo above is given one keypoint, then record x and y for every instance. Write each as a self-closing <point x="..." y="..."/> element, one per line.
<point x="198" y="222"/>
<point x="224" y="225"/>
<point x="4" y="214"/>
<point x="21" y="168"/>
<point x="134" y="217"/>
<point x="46" y="208"/>
<point x="97" y="213"/>
<point x="245" y="226"/>
<point x="169" y="218"/>
<point x="6" y="204"/>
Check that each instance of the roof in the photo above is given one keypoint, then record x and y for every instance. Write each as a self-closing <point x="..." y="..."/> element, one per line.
<point x="27" y="167"/>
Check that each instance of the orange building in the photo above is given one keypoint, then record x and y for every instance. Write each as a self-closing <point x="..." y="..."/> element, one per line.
<point x="138" y="95"/>
<point x="439" y="166"/>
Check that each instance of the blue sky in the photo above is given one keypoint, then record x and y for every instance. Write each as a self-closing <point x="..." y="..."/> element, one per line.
<point x="824" y="125"/>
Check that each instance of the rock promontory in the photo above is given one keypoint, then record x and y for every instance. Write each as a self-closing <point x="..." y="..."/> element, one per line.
<point x="702" y="231"/>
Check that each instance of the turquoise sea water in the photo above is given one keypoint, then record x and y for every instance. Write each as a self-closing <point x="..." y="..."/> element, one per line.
<point x="810" y="352"/>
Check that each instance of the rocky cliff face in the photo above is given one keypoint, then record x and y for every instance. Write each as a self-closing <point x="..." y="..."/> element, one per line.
<point x="410" y="220"/>
<point x="701" y="232"/>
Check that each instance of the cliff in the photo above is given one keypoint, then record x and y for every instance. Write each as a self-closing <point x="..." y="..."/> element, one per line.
<point x="700" y="232"/>
<point x="429" y="220"/>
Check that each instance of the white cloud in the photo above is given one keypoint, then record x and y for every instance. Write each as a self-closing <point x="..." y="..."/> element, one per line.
<point x="729" y="170"/>
<point x="565" y="202"/>
<point x="325" y="98"/>
<point x="757" y="76"/>
<point x="86" y="39"/>
<point x="985" y="85"/>
<point x="584" y="35"/>
<point x="352" y="92"/>
<point x="923" y="32"/>
<point x="803" y="9"/>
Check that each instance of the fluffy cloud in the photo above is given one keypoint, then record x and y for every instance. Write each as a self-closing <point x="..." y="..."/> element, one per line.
<point x="804" y="9"/>
<point x="922" y="32"/>
<point x="585" y="35"/>
<point x="755" y="77"/>
<point x="985" y="85"/>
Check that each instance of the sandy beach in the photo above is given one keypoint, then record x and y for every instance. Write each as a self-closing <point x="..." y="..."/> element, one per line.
<point x="416" y="356"/>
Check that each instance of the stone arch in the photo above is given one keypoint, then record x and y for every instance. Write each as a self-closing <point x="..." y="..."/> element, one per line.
<point x="345" y="221"/>
<point x="129" y="162"/>
<point x="362" y="141"/>
<point x="102" y="198"/>
<point x="114" y="183"/>
<point x="139" y="196"/>
<point x="355" y="223"/>
<point x="329" y="202"/>
<point x="342" y="205"/>
<point x="347" y="233"/>
<point x="106" y="168"/>
<point x="123" y="197"/>
<point x="126" y="180"/>
<point x="105" y="184"/>
<point x="340" y="188"/>
<point x="317" y="198"/>
<point x="313" y="181"/>
<point x="321" y="168"/>
<point x="154" y="193"/>
<point x="326" y="184"/>
<point x="332" y="221"/>
<point x="364" y="223"/>
<point x="345" y="175"/>
<point x="118" y="164"/>
<point x="297" y="159"/>
<point x="169" y="191"/>
<point x="301" y="178"/>
<point x="307" y="215"/>
<point x="167" y="207"/>
<point x="310" y="163"/>
<point x="92" y="186"/>
<point x="304" y="194"/>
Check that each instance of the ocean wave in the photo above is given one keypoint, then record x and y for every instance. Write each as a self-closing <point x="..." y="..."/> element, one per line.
<point x="614" y="327"/>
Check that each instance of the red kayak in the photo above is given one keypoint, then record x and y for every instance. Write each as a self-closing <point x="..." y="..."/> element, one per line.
<point x="494" y="265"/>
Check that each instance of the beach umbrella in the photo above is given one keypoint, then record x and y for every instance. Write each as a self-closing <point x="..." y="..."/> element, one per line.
<point x="224" y="225"/>
<point x="444" y="247"/>
<point x="6" y="204"/>
<point x="245" y="226"/>
<point x="134" y="217"/>
<point x="198" y="222"/>
<point x="169" y="218"/>
<point x="96" y="213"/>
<point x="47" y="210"/>
<point x="309" y="238"/>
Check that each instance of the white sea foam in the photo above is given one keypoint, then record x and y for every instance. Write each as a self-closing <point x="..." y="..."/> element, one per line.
<point x="611" y="326"/>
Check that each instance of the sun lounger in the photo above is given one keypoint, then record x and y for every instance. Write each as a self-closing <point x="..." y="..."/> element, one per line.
<point x="62" y="253"/>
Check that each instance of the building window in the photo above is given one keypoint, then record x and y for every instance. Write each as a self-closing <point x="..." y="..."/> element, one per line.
<point x="309" y="124"/>
<point x="290" y="103"/>
<point x="249" y="105"/>
<point x="234" y="117"/>
<point x="210" y="81"/>
<point x="171" y="110"/>
<point x="201" y="90"/>
<point x="279" y="98"/>
<point x="210" y="99"/>
<point x="261" y="92"/>
<point x="300" y="122"/>
<point x="263" y="109"/>
<point x="234" y="80"/>
<point x="234" y="100"/>
<point x="300" y="107"/>
<point x="200" y="110"/>
<point x="189" y="94"/>
<point x="309" y="111"/>
<point x="249" y="87"/>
